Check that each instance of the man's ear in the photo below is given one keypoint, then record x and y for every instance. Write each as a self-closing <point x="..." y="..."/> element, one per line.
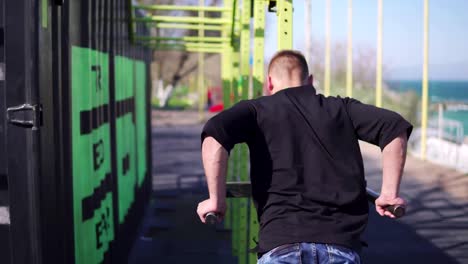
<point x="310" y="80"/>
<point x="270" y="84"/>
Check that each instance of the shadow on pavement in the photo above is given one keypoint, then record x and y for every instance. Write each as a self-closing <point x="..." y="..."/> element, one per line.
<point x="391" y="241"/>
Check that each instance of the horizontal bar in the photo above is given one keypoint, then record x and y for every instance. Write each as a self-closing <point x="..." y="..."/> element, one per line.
<point x="189" y="26"/>
<point x="178" y="19"/>
<point x="244" y="189"/>
<point x="185" y="39"/>
<point x="175" y="48"/>
<point x="187" y="45"/>
<point x="182" y="8"/>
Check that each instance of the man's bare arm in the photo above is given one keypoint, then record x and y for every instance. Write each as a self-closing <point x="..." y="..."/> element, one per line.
<point x="393" y="162"/>
<point x="215" y="159"/>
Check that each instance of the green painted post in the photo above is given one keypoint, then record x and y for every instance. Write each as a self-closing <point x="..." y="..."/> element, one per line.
<point x="245" y="47"/>
<point x="243" y="93"/>
<point x="284" y="11"/>
<point x="258" y="79"/>
<point x="259" y="48"/>
<point x="226" y="76"/>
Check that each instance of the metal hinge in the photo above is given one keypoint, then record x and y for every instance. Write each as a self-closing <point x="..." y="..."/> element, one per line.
<point x="25" y="115"/>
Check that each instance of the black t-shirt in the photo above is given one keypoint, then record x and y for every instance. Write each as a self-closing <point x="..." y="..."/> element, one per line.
<point x="306" y="167"/>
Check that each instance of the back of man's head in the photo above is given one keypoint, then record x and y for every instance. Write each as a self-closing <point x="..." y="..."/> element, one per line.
<point x="289" y="64"/>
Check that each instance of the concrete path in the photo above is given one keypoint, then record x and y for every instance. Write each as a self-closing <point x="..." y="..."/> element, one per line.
<point x="435" y="229"/>
<point x="438" y="201"/>
<point x="171" y="231"/>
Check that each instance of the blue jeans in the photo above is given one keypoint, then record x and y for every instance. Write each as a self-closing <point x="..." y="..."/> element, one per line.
<point x="310" y="253"/>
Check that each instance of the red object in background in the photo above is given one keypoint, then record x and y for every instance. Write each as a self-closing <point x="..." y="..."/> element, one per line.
<point x="216" y="108"/>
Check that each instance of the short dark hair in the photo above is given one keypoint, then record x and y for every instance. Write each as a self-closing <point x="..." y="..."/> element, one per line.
<point x="290" y="60"/>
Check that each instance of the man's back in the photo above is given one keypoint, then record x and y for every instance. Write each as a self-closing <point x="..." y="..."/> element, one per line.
<point x="316" y="189"/>
<point x="306" y="167"/>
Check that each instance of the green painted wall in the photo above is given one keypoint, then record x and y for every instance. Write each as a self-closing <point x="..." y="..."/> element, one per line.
<point x="91" y="164"/>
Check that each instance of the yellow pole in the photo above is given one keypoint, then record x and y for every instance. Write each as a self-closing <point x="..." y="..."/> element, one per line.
<point x="327" y="50"/>
<point x="201" y="67"/>
<point x="425" y="82"/>
<point x="349" y="64"/>
<point x="378" y="78"/>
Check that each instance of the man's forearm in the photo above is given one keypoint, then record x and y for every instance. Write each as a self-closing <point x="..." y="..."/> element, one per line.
<point x="393" y="162"/>
<point x="215" y="159"/>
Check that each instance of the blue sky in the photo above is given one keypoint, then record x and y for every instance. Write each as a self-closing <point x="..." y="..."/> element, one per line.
<point x="402" y="33"/>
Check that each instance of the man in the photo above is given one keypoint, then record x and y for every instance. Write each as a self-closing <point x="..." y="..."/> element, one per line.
<point x="306" y="166"/>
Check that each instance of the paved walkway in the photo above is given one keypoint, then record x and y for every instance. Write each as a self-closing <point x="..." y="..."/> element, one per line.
<point x="171" y="231"/>
<point x="438" y="201"/>
<point x="435" y="229"/>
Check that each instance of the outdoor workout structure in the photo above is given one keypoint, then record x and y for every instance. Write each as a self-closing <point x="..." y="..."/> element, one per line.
<point x="233" y="23"/>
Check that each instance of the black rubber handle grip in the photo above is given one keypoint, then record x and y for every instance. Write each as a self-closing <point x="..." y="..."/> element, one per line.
<point x="396" y="210"/>
<point x="211" y="218"/>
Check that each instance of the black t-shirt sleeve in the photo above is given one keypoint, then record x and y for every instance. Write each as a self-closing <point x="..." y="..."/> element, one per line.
<point x="232" y="126"/>
<point x="376" y="125"/>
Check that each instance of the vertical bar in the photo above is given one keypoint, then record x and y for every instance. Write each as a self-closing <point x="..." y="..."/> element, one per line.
<point x="258" y="79"/>
<point x="243" y="151"/>
<point x="235" y="152"/>
<point x="441" y="121"/>
<point x="425" y="82"/>
<point x="259" y="48"/>
<point x="131" y="23"/>
<point x="349" y="59"/>
<point x="327" y="49"/>
<point x="308" y="29"/>
<point x="44" y="13"/>
<point x="245" y="48"/>
<point x="226" y="76"/>
<point x="284" y="11"/>
<point x="378" y="78"/>
<point x="201" y="66"/>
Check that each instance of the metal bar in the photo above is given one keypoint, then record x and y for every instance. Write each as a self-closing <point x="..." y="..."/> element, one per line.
<point x="349" y="57"/>
<point x="176" y="19"/>
<point x="182" y="8"/>
<point x="308" y="30"/>
<point x="226" y="76"/>
<point x="326" y="82"/>
<point x="189" y="26"/>
<point x="243" y="189"/>
<point x="226" y="63"/>
<point x="259" y="48"/>
<point x="258" y="79"/>
<point x="244" y="223"/>
<point x="187" y="45"/>
<point x="285" y="24"/>
<point x="425" y="82"/>
<point x="245" y="49"/>
<point x="201" y="65"/>
<point x="378" y="78"/>
<point x="194" y="50"/>
<point x="190" y="39"/>
<point x="131" y="23"/>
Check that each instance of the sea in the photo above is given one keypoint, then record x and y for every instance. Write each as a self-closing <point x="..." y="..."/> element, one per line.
<point x="452" y="92"/>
